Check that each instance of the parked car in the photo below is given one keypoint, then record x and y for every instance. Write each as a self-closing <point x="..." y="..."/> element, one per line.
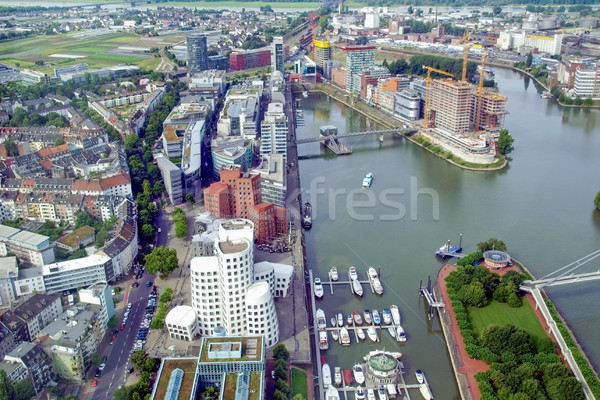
<point x="94" y="382"/>
<point x="148" y="283"/>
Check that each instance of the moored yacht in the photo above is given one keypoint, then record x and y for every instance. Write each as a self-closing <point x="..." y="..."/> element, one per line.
<point x="335" y="334"/>
<point x="332" y="394"/>
<point x="361" y="333"/>
<point x="344" y="337"/>
<point x="318" y="288"/>
<point x="360" y="393"/>
<point x="357" y="318"/>
<point x="321" y="321"/>
<point x="323" y="342"/>
<point x="376" y="319"/>
<point x="372" y="273"/>
<point x="326" y="375"/>
<point x="368" y="319"/>
<point x="337" y="376"/>
<point x="333" y="274"/>
<point x="371" y="394"/>
<point x="400" y="334"/>
<point x="372" y="332"/>
<point x="359" y="374"/>
<point x="340" y="319"/>
<point x="357" y="287"/>
<point x="420" y="376"/>
<point x="387" y="317"/>
<point x="395" y="314"/>
<point x="352" y="273"/>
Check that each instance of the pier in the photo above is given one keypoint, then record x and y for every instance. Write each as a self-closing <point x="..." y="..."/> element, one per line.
<point x="426" y="292"/>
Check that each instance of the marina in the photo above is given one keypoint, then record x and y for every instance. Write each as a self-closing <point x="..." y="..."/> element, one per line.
<point x="355" y="284"/>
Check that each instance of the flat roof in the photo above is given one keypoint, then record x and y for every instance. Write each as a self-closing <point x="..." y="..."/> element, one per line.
<point x="252" y="343"/>
<point x="30" y="238"/>
<point x="188" y="365"/>
<point x="230" y="247"/>
<point x="74" y="238"/>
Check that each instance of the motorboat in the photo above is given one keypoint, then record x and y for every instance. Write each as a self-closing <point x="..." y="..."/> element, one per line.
<point x="381" y="393"/>
<point x="333" y="322"/>
<point x="349" y="320"/>
<point x="305" y="94"/>
<point x="353" y="274"/>
<point x="323" y="342"/>
<point x="340" y="319"/>
<point x="400" y="334"/>
<point x="326" y="375"/>
<point x="332" y="394"/>
<point x="395" y="314"/>
<point x="387" y="316"/>
<point x="335" y="334"/>
<point x="359" y="374"/>
<point x="367" y="180"/>
<point x="337" y="376"/>
<point x="318" y="288"/>
<point x="307" y="220"/>
<point x="376" y="319"/>
<point x="348" y="377"/>
<point x="321" y="321"/>
<point x="344" y="337"/>
<point x="391" y="390"/>
<point x="333" y="274"/>
<point x="361" y="334"/>
<point x="420" y="376"/>
<point x="396" y="355"/>
<point x="372" y="333"/>
<point x="371" y="394"/>
<point x="372" y="273"/>
<point x="357" y="287"/>
<point x="359" y="394"/>
<point x="392" y="331"/>
<point x="357" y="318"/>
<point x="367" y="315"/>
<point x="377" y="287"/>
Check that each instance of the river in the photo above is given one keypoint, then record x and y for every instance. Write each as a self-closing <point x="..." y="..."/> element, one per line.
<point x="541" y="205"/>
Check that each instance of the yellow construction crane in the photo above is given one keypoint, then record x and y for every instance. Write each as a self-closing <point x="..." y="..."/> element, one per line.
<point x="466" y="55"/>
<point x="480" y="92"/>
<point x="439" y="71"/>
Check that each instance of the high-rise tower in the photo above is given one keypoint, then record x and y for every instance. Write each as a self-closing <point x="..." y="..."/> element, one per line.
<point x="277" y="56"/>
<point x="197" y="53"/>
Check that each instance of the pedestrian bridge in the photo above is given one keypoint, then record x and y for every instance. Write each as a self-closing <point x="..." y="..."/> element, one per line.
<point x="352" y="134"/>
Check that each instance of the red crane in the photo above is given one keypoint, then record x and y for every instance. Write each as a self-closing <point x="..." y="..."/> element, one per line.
<point x="312" y="18"/>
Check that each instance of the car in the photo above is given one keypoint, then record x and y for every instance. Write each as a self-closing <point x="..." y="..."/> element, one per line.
<point x="101" y="367"/>
<point x="114" y="337"/>
<point x="135" y="284"/>
<point x="128" y="305"/>
<point x="111" y="341"/>
<point x="98" y="372"/>
<point x="94" y="382"/>
<point x="148" y="283"/>
<point x="116" y="331"/>
<point x="122" y="327"/>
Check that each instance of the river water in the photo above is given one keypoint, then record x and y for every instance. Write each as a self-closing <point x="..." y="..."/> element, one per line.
<point x="541" y="206"/>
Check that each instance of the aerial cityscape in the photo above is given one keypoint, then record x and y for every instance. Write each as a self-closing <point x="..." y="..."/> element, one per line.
<point x="293" y="200"/>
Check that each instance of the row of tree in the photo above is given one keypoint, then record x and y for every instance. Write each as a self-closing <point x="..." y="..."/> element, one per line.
<point x="145" y="365"/>
<point x="416" y="63"/>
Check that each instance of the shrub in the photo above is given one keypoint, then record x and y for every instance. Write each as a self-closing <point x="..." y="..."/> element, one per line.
<point x="514" y="301"/>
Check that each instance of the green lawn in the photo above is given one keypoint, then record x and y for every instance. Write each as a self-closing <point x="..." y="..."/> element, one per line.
<point x="502" y="314"/>
<point x="299" y="383"/>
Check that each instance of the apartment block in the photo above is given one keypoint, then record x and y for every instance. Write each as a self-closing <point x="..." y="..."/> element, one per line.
<point x="357" y="59"/>
<point x="29" y="247"/>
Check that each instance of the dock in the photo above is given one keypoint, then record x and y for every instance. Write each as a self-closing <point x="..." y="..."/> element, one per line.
<point x="426" y="291"/>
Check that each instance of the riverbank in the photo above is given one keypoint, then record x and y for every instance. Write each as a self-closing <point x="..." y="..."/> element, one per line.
<point x="391" y="122"/>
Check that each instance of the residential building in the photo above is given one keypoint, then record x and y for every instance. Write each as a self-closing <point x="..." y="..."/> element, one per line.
<point x="372" y="20"/>
<point x="172" y="178"/>
<point x="99" y="294"/>
<point x="30" y="281"/>
<point x="182" y="323"/>
<point x="35" y="363"/>
<point x="9" y="273"/>
<point x="370" y="76"/>
<point x="407" y="104"/>
<point x="322" y="53"/>
<point x="587" y="83"/>
<point x="226" y="153"/>
<point x="273" y="179"/>
<point x="82" y="272"/>
<point x="7" y="341"/>
<point x="329" y="66"/>
<point x="77" y="239"/>
<point x="197" y="53"/>
<point x="277" y="54"/>
<point x="274" y="131"/>
<point x="339" y="77"/>
<point x="451" y="105"/>
<point x="240" y="60"/>
<point x="26" y="320"/>
<point x="29" y="247"/>
<point x="357" y="59"/>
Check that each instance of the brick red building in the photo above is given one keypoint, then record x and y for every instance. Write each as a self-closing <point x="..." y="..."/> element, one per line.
<point x="238" y="195"/>
<point x="257" y="58"/>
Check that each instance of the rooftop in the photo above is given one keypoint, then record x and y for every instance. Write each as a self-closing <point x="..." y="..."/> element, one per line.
<point x="251" y="348"/>
<point x="230" y="247"/>
<point x="188" y="365"/>
<point x="74" y="238"/>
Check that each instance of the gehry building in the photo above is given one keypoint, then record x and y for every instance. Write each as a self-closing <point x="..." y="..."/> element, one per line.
<point x="224" y="289"/>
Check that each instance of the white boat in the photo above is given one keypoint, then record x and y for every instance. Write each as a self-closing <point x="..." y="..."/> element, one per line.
<point x="396" y="355"/>
<point x="357" y="287"/>
<point x="387" y="317"/>
<point x="326" y="375"/>
<point x="332" y="394"/>
<point x="349" y="320"/>
<point x="400" y="334"/>
<point x="323" y="342"/>
<point x="391" y="389"/>
<point x="359" y="374"/>
<point x="376" y="319"/>
<point x="357" y="318"/>
<point x="392" y="331"/>
<point x="333" y="274"/>
<point x="371" y="394"/>
<point x="321" y="321"/>
<point x="318" y="288"/>
<point x="372" y="333"/>
<point x="382" y="394"/>
<point x="367" y="315"/>
<point x="425" y="391"/>
<point x="305" y="94"/>
<point x="372" y="273"/>
<point x="420" y="376"/>
<point x="377" y="287"/>
<point x="340" y="319"/>
<point x="359" y="394"/>
<point x="361" y="334"/>
<point x="352" y="273"/>
<point x="367" y="180"/>
<point x="344" y="337"/>
<point x="335" y="334"/>
<point x="337" y="376"/>
<point x="395" y="314"/>
<point x="333" y="322"/>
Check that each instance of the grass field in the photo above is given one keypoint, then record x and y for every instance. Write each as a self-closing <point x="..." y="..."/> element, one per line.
<point x="502" y="314"/>
<point x="299" y="383"/>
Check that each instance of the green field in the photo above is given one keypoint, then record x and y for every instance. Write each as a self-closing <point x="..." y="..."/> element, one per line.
<point x="502" y="314"/>
<point x="299" y="383"/>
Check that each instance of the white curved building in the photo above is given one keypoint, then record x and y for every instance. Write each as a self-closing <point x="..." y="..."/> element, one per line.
<point x="182" y="323"/>
<point x="261" y="314"/>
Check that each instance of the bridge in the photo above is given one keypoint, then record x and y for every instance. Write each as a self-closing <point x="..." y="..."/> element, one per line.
<point x="565" y="277"/>
<point x="352" y="134"/>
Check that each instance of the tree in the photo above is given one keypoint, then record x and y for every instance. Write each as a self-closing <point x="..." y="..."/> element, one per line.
<point x="83" y="219"/>
<point x="138" y="359"/>
<point x="529" y="59"/>
<point x="122" y="393"/>
<point x="298" y="397"/>
<point x="113" y="322"/>
<point x="491" y="244"/>
<point x="96" y="359"/>
<point x="150" y="364"/>
<point x="282" y="386"/>
<point x="279" y="395"/>
<point x="59" y="141"/>
<point x="24" y="390"/>
<point x="410" y="9"/>
<point x="11" y="147"/>
<point x="505" y="142"/>
<point x="597" y="201"/>
<point x="474" y="294"/>
<point x="101" y="238"/>
<point x="497" y="10"/>
<point x="281" y="352"/>
<point x="190" y="198"/>
<point x="148" y="233"/>
<point x="6" y="388"/>
<point x="280" y="370"/>
<point x="159" y="189"/>
<point x="163" y="260"/>
<point x="147" y="187"/>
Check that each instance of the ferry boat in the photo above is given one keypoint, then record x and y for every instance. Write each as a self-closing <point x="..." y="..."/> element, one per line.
<point x="340" y="319"/>
<point x="368" y="319"/>
<point x="357" y="318"/>
<point x="326" y="375"/>
<point x="337" y="376"/>
<point x="359" y="394"/>
<point x="335" y="334"/>
<point x="382" y="394"/>
<point x="357" y="288"/>
<point x="323" y="342"/>
<point x="392" y="331"/>
<point x="376" y="319"/>
<point x="307" y="220"/>
<point x="371" y="394"/>
<point x="348" y="377"/>
<point x="333" y="274"/>
<point x="387" y="317"/>
<point x="352" y="274"/>
<point x="420" y="376"/>
<point x="372" y="333"/>
<point x="400" y="334"/>
<point x="321" y="321"/>
<point x="332" y="394"/>
<point x="372" y="273"/>
<point x="359" y="374"/>
<point x="318" y="288"/>
<point x="344" y="337"/>
<point x="395" y="314"/>
<point x="367" y="180"/>
<point x="361" y="334"/>
<point x="349" y="320"/>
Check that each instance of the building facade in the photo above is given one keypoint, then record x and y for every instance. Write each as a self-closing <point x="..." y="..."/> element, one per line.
<point x="357" y="59"/>
<point x="197" y="53"/>
<point x="274" y="131"/>
<point x="277" y="55"/>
